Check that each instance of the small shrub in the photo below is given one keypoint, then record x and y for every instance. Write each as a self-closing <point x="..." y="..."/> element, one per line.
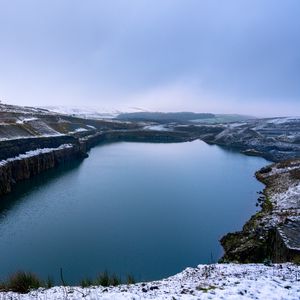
<point x="49" y="282"/>
<point x="86" y="283"/>
<point x="267" y="205"/>
<point x="3" y="286"/>
<point x="103" y="279"/>
<point x="23" y="282"/>
<point x="296" y="260"/>
<point x="130" y="279"/>
<point x="115" y="280"/>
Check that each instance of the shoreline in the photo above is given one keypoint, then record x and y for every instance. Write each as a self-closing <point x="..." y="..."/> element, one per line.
<point x="268" y="234"/>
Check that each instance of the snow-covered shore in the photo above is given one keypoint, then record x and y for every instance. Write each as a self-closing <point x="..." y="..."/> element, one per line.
<point x="218" y="281"/>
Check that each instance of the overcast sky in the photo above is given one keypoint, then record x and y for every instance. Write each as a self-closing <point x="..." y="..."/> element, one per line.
<point x="230" y="56"/>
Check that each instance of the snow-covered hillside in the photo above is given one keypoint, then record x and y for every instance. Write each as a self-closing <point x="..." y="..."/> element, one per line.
<point x="86" y="112"/>
<point x="219" y="281"/>
<point x="18" y="122"/>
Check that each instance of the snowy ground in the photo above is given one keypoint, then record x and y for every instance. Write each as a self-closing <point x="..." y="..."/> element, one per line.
<point x="219" y="281"/>
<point x="284" y="192"/>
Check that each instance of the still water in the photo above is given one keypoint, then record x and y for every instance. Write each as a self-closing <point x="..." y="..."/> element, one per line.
<point x="145" y="209"/>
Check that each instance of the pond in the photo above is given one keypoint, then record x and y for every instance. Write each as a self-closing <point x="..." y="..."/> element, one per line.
<point x="144" y="209"/>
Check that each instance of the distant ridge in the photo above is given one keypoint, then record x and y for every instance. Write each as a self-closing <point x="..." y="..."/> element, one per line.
<point x="164" y="117"/>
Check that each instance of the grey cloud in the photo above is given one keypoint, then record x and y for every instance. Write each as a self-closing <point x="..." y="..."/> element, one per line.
<point x="109" y="50"/>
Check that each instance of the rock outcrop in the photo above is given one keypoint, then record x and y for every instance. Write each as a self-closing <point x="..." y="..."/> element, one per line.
<point x="15" y="147"/>
<point x="31" y="163"/>
<point x="270" y="233"/>
<point x="274" y="139"/>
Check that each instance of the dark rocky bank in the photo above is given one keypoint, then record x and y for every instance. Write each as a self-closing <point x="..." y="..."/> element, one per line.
<point x="21" y="168"/>
<point x="273" y="233"/>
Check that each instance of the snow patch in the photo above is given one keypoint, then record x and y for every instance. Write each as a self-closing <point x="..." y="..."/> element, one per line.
<point x="157" y="128"/>
<point x="87" y="112"/>
<point x="80" y="129"/>
<point x="276" y="171"/>
<point x="289" y="199"/>
<point x="282" y="120"/>
<point x="29" y="137"/>
<point x="25" y="120"/>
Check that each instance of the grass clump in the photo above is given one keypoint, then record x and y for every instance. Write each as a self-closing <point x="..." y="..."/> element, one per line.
<point x="206" y="289"/>
<point x="86" y="283"/>
<point x="115" y="280"/>
<point x="296" y="260"/>
<point x="49" y="283"/>
<point x="267" y="205"/>
<point x="130" y="279"/>
<point x="23" y="282"/>
<point x="2" y="287"/>
<point x="105" y="279"/>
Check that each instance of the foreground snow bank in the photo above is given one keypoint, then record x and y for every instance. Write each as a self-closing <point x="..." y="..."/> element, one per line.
<point x="219" y="281"/>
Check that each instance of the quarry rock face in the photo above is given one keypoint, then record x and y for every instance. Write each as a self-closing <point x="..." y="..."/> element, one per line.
<point x="14" y="147"/>
<point x="33" y="163"/>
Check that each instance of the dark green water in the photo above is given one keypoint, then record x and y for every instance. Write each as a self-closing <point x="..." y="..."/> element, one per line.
<point x="146" y="209"/>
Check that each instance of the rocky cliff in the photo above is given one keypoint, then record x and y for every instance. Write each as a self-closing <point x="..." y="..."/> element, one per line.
<point x="272" y="232"/>
<point x="15" y="147"/>
<point x="31" y="163"/>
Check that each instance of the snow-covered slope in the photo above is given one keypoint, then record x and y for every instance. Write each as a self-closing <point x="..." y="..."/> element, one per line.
<point x="86" y="112"/>
<point x="219" y="281"/>
<point x="21" y="122"/>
